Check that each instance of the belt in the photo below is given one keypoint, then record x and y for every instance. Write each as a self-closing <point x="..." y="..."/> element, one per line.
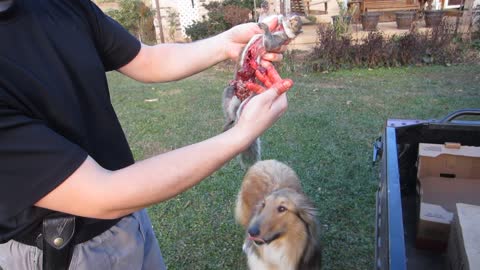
<point x="83" y="232"/>
<point x="58" y="234"/>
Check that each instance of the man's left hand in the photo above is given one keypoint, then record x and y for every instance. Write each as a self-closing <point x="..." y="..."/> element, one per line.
<point x="238" y="36"/>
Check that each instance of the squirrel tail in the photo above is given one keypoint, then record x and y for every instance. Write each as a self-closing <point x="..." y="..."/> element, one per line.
<point x="250" y="156"/>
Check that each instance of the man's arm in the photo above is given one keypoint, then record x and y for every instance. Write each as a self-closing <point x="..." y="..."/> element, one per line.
<point x="93" y="191"/>
<point x="170" y="62"/>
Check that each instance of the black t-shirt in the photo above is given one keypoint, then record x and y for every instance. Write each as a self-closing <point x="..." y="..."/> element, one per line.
<point x="55" y="106"/>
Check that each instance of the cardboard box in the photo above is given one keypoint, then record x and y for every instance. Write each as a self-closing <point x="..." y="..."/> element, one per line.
<point x="464" y="242"/>
<point x="447" y="174"/>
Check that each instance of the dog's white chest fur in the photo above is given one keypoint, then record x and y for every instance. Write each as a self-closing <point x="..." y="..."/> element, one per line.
<point x="272" y="258"/>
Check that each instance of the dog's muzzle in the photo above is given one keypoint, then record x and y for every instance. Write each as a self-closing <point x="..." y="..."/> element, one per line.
<point x="260" y="241"/>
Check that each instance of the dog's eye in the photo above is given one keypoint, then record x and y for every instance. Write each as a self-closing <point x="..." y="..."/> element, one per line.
<point x="263" y="205"/>
<point x="281" y="209"/>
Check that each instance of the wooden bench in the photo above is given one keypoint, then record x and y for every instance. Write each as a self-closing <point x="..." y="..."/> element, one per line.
<point x="388" y="5"/>
<point x="310" y="3"/>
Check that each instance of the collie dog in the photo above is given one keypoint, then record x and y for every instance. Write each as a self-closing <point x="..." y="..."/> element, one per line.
<point x="280" y="221"/>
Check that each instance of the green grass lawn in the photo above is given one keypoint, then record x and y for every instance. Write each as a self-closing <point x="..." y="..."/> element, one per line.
<point x="326" y="136"/>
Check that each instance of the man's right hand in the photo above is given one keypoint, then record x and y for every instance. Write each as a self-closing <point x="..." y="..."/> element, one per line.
<point x="261" y="112"/>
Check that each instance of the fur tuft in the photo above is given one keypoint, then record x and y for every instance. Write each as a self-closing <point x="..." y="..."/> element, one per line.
<point x="251" y="155"/>
<point x="232" y="107"/>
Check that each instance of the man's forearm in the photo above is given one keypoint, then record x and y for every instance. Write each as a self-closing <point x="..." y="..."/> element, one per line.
<point x="170" y="62"/>
<point x="163" y="177"/>
<point x="95" y="192"/>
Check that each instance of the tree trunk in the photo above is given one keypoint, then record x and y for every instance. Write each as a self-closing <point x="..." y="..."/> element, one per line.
<point x="159" y="18"/>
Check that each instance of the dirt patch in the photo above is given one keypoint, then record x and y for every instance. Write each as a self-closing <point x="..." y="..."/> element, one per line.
<point x="371" y="101"/>
<point x="329" y="85"/>
<point x="170" y="92"/>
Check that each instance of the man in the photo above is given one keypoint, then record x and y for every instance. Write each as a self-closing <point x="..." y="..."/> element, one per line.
<point x="62" y="149"/>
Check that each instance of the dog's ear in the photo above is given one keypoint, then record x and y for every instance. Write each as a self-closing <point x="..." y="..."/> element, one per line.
<point x="308" y="213"/>
<point x="311" y="258"/>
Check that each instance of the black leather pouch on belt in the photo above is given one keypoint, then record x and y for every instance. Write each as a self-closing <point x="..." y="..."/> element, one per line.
<point x="57" y="231"/>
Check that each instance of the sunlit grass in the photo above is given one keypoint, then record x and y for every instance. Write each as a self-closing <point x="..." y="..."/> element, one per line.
<point x="326" y="136"/>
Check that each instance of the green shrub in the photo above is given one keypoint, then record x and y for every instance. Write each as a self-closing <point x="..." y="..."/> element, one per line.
<point x="476" y="28"/>
<point x="172" y="18"/>
<point x="312" y="19"/>
<point x="198" y="30"/>
<point x="436" y="46"/>
<point x="341" y="22"/>
<point x="235" y="15"/>
<point x="476" y="44"/>
<point x="136" y="17"/>
<point x="248" y="4"/>
<point x="220" y="17"/>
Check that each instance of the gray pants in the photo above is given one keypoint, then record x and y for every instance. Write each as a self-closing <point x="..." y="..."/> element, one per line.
<point x="129" y="245"/>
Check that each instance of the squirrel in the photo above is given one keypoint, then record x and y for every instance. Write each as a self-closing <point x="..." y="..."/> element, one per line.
<point x="288" y="28"/>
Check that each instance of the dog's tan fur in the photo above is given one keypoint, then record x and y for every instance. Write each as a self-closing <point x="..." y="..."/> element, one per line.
<point x="290" y="235"/>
